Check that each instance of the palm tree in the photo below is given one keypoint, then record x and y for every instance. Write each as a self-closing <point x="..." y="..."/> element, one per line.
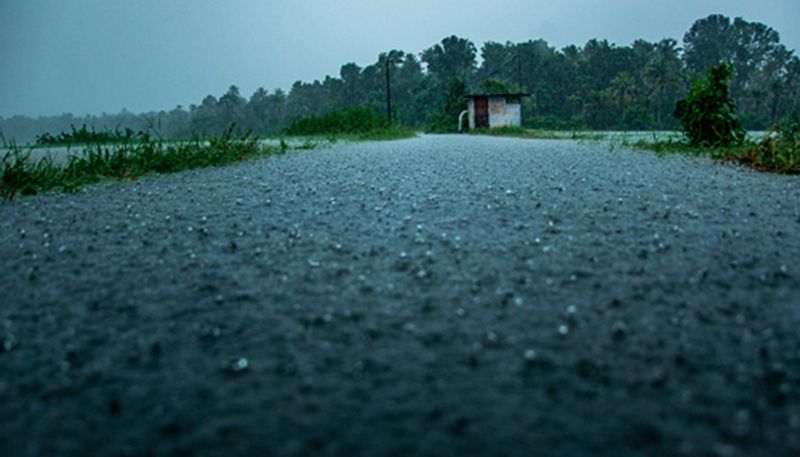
<point x="663" y="75"/>
<point x="623" y="89"/>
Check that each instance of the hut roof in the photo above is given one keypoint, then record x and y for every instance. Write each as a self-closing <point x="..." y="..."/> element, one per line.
<point x="499" y="94"/>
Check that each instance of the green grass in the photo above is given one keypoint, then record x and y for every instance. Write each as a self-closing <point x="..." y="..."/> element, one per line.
<point x="20" y="175"/>
<point x="84" y="136"/>
<point x="664" y="147"/>
<point x="340" y="121"/>
<point x="534" y="134"/>
<point x="776" y="152"/>
<point x="514" y="132"/>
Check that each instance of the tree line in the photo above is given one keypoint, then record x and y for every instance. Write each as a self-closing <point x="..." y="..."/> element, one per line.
<point x="596" y="86"/>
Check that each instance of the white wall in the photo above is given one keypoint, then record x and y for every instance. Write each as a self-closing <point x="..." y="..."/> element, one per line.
<point x="471" y="108"/>
<point x="502" y="114"/>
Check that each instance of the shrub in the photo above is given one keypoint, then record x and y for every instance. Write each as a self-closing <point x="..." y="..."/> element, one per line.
<point x="708" y="114"/>
<point x="778" y="151"/>
<point x="341" y="121"/>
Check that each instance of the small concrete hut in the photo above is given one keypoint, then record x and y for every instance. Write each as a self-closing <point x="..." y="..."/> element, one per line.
<point x="494" y="110"/>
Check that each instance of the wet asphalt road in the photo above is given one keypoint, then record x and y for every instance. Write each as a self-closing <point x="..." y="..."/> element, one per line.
<point x="438" y="296"/>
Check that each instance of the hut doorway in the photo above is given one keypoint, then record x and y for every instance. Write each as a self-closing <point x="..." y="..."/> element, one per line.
<point x="481" y="112"/>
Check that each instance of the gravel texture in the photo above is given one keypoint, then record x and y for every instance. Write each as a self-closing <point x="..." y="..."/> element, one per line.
<point x="440" y="296"/>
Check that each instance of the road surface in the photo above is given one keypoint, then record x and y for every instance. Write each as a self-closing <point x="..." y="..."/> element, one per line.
<point x="446" y="295"/>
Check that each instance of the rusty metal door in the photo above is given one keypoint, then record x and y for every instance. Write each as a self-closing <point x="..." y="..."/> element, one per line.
<point x="481" y="112"/>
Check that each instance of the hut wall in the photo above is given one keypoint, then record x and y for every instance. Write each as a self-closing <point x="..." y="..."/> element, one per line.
<point x="503" y="114"/>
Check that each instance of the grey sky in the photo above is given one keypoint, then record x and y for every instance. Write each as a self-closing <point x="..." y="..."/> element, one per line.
<point x="93" y="56"/>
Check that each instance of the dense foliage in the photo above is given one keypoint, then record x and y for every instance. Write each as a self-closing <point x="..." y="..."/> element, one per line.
<point x="777" y="151"/>
<point x="343" y="120"/>
<point x="446" y="118"/>
<point x="708" y="114"/>
<point x="599" y="86"/>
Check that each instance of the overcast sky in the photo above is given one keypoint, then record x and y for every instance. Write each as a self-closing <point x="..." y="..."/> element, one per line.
<point x="94" y="56"/>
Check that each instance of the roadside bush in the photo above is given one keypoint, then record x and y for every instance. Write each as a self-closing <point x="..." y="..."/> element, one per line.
<point x="341" y="121"/>
<point x="708" y="113"/>
<point x="778" y="151"/>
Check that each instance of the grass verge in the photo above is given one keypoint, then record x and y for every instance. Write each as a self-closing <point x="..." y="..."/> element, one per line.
<point x="519" y="132"/>
<point x="19" y="175"/>
<point x="776" y="152"/>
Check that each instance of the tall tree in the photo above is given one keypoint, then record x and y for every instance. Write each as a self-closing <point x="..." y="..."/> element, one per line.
<point x="408" y="87"/>
<point x="623" y="90"/>
<point x="749" y="47"/>
<point x="708" y="43"/>
<point x="204" y="118"/>
<point x="454" y="57"/>
<point x="663" y="75"/>
<point x="498" y="61"/>
<point x="350" y="74"/>
<point x="230" y="109"/>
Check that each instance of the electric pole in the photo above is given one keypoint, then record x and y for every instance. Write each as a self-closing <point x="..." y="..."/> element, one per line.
<point x="388" y="92"/>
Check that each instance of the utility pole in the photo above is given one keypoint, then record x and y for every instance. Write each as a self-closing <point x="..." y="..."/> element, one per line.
<point x="388" y="92"/>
